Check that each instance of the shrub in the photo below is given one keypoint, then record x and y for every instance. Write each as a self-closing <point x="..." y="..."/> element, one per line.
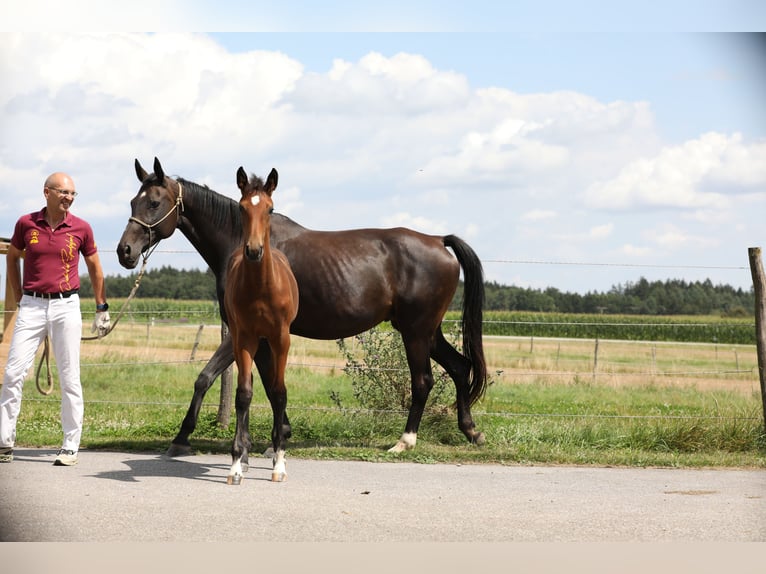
<point x="380" y="375"/>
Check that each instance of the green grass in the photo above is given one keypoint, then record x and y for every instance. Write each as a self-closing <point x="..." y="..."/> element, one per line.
<point x="140" y="407"/>
<point x="650" y="404"/>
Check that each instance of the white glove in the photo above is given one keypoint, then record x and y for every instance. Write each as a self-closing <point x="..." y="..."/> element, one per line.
<point x="101" y="323"/>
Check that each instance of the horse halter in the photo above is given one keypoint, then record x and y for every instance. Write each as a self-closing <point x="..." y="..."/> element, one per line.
<point x="178" y="207"/>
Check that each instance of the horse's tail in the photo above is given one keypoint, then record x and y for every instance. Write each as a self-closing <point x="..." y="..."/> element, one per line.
<point x="473" y="306"/>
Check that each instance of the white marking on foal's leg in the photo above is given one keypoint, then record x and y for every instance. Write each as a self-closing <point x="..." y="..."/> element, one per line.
<point x="235" y="472"/>
<point x="407" y="442"/>
<point x="279" y="471"/>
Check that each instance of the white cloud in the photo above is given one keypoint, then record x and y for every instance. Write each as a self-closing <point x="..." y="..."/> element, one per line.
<point x="378" y="141"/>
<point x="672" y="238"/>
<point x="418" y="223"/>
<point x="635" y="251"/>
<point x="404" y="84"/>
<point x="538" y="215"/>
<point x="593" y="234"/>
<point x="703" y="173"/>
<point x="601" y="231"/>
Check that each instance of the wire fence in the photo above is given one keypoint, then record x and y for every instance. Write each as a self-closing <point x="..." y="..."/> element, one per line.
<point x="162" y="338"/>
<point x="180" y="341"/>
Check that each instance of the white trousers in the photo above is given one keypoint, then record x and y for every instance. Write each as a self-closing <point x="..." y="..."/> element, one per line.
<point x="61" y="320"/>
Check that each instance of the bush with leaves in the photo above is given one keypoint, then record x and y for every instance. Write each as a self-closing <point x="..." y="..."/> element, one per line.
<point x="380" y="375"/>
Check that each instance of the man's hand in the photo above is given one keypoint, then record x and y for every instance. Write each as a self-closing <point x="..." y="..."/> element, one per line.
<point x="101" y="323"/>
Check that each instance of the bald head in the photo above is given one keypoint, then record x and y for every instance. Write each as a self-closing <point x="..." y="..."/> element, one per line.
<point x="59" y="180"/>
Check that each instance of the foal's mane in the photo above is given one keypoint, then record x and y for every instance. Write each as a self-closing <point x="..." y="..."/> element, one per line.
<point x="221" y="210"/>
<point x="256" y="183"/>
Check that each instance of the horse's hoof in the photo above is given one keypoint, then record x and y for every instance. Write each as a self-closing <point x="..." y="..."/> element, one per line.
<point x="479" y="439"/>
<point x="234" y="479"/>
<point x="178" y="450"/>
<point x="278" y="476"/>
<point x="407" y="441"/>
<point x="400" y="446"/>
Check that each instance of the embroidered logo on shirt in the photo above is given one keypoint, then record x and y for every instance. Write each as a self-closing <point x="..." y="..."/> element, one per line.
<point x="67" y="256"/>
<point x="35" y="236"/>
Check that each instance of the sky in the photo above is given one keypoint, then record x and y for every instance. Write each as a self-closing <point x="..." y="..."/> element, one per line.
<point x="579" y="146"/>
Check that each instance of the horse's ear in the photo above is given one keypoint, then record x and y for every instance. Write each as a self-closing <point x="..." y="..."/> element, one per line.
<point x="140" y="172"/>
<point x="158" y="171"/>
<point x="271" y="181"/>
<point x="241" y="179"/>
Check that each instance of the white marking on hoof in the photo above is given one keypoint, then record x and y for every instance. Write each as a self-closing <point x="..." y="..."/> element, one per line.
<point x="279" y="471"/>
<point x="235" y="473"/>
<point x="407" y="442"/>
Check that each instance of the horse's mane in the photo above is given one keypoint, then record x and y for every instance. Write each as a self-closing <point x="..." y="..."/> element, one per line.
<point x="223" y="211"/>
<point x="256" y="182"/>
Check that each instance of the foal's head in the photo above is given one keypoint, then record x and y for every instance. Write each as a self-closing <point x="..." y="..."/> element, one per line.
<point x="256" y="206"/>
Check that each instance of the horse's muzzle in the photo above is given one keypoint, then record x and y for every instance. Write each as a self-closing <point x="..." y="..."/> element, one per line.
<point x="254" y="254"/>
<point x="126" y="257"/>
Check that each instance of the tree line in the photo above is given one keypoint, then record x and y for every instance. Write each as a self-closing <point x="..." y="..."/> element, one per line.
<point x="643" y="297"/>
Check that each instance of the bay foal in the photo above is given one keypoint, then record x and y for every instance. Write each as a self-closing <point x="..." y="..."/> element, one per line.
<point x="261" y="302"/>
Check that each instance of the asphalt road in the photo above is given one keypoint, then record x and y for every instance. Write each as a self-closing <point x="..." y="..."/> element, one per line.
<point x="127" y="497"/>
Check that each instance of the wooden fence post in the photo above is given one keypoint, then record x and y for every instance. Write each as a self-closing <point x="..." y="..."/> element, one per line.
<point x="759" y="288"/>
<point x="595" y="361"/>
<point x="224" y="403"/>
<point x="9" y="305"/>
<point x="196" y="342"/>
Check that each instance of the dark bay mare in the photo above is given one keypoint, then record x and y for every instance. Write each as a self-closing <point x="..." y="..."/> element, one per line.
<point x="261" y="300"/>
<point x="349" y="281"/>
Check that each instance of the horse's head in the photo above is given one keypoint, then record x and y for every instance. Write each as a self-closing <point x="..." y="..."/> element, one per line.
<point x="154" y="214"/>
<point x="256" y="207"/>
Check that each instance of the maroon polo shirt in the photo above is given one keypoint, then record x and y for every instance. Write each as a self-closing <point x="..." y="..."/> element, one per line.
<point x="52" y="256"/>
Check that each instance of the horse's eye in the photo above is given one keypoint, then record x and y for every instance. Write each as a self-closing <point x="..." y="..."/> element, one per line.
<point x="154" y="204"/>
<point x="271" y="210"/>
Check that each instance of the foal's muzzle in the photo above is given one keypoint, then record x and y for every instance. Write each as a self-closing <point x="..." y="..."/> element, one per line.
<point x="254" y="254"/>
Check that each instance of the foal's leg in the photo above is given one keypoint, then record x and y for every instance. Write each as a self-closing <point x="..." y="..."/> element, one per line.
<point x="264" y="364"/>
<point x="241" y="443"/>
<point x="458" y="368"/>
<point x="218" y="363"/>
<point x="277" y="393"/>
<point x="422" y="383"/>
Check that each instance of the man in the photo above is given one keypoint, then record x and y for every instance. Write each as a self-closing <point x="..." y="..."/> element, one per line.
<point x="50" y="241"/>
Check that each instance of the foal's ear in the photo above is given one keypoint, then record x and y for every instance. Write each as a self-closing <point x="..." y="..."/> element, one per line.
<point x="158" y="171"/>
<point x="241" y="179"/>
<point x="140" y="172"/>
<point x="271" y="181"/>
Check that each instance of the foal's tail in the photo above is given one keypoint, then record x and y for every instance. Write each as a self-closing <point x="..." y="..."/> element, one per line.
<point x="473" y="305"/>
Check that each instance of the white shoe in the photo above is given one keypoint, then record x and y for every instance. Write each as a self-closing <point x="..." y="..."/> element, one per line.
<point x="6" y="453"/>
<point x="65" y="458"/>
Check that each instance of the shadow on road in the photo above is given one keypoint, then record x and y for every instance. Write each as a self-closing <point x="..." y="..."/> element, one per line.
<point x="187" y="467"/>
